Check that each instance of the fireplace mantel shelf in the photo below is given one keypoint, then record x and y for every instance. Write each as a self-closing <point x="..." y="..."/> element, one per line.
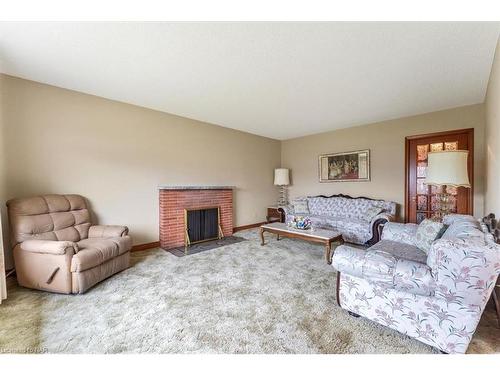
<point x="194" y="187"/>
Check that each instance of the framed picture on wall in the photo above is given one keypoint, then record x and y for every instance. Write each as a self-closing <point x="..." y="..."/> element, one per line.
<point x="345" y="166"/>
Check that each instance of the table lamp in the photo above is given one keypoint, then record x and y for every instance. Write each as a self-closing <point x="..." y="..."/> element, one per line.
<point x="282" y="179"/>
<point x="447" y="168"/>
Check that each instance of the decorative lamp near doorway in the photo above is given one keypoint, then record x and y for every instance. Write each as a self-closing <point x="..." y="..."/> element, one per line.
<point x="447" y="168"/>
<point x="282" y="179"/>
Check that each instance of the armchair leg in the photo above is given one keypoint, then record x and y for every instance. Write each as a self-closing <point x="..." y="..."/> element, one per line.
<point x="337" y="291"/>
<point x="353" y="314"/>
<point x="497" y="305"/>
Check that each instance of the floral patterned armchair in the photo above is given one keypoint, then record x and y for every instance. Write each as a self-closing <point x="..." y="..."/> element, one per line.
<point x="437" y="298"/>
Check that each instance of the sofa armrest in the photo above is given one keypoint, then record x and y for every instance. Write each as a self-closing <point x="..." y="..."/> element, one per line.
<point x="106" y="231"/>
<point x="349" y="260"/>
<point x="287" y="213"/>
<point x="48" y="247"/>
<point x="382" y="217"/>
<point x="465" y="270"/>
<point x="400" y="232"/>
<point x="376" y="224"/>
<point x="288" y="209"/>
<point x="384" y="269"/>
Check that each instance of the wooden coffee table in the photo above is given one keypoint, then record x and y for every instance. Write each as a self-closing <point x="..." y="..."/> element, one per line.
<point x="323" y="236"/>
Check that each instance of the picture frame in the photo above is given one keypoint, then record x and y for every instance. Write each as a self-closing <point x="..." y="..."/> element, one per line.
<point x="352" y="166"/>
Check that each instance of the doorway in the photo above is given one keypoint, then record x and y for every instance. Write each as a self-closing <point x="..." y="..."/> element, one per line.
<point x="421" y="201"/>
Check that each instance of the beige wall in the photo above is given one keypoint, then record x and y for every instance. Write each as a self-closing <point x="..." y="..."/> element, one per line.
<point x="3" y="287"/>
<point x="61" y="141"/>
<point x="115" y="154"/>
<point x="492" y="104"/>
<point x="386" y="141"/>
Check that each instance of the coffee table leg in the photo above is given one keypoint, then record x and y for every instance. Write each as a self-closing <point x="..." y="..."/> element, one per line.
<point x="262" y="243"/>
<point x="328" y="251"/>
<point x="278" y="237"/>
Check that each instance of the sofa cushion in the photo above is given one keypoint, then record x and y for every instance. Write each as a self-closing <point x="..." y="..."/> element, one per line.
<point x="401" y="250"/>
<point x="371" y="212"/>
<point x="427" y="232"/>
<point x="300" y="206"/>
<point x="400" y="232"/>
<point x="321" y="206"/>
<point x="95" y="251"/>
<point x="353" y="230"/>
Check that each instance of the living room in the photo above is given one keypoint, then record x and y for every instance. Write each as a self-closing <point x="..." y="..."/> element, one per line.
<point x="249" y="187"/>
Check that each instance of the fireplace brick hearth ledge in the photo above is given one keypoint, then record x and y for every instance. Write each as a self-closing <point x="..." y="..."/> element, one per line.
<point x="175" y="199"/>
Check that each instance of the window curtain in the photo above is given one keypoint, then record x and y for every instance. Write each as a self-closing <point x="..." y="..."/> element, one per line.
<point x="3" y="282"/>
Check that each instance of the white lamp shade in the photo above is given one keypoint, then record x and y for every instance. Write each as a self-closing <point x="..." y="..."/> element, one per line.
<point x="447" y="168"/>
<point x="281" y="176"/>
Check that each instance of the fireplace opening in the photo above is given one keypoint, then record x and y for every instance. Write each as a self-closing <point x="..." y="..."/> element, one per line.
<point x="202" y="224"/>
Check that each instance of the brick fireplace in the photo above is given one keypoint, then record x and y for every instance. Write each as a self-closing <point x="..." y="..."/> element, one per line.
<point x="174" y="200"/>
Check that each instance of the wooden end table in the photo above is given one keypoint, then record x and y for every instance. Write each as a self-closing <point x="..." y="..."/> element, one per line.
<point x="324" y="236"/>
<point x="274" y="215"/>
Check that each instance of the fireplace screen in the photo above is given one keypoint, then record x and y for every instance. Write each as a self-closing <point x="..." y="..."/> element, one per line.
<point x="202" y="224"/>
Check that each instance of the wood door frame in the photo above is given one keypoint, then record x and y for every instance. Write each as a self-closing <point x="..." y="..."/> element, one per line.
<point x="470" y="162"/>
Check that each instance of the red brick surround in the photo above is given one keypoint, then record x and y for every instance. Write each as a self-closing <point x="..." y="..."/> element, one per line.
<point x="172" y="205"/>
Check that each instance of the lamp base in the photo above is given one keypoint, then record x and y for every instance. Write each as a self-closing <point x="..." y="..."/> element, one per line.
<point x="444" y="207"/>
<point x="282" y="200"/>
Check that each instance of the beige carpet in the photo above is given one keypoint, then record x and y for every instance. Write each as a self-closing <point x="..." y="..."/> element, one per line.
<point x="241" y="298"/>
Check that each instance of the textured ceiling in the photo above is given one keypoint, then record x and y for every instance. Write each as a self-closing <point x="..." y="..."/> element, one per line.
<point x="279" y="80"/>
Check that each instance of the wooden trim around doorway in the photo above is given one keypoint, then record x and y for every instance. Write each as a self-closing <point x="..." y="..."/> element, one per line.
<point x="470" y="164"/>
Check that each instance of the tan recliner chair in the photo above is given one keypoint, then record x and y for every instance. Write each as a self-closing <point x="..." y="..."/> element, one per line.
<point x="57" y="249"/>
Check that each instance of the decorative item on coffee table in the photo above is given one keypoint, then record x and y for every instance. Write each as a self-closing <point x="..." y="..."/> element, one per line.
<point x="300" y="222"/>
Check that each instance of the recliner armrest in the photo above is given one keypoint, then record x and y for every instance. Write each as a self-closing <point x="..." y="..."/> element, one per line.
<point x="48" y="247"/>
<point x="106" y="231"/>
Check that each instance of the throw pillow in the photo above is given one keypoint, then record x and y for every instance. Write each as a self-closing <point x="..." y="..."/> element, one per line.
<point x="371" y="212"/>
<point x="427" y="232"/>
<point x="300" y="207"/>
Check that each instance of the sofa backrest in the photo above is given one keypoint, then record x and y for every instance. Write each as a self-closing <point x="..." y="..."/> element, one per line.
<point x="48" y="217"/>
<point x="346" y="206"/>
<point x="463" y="227"/>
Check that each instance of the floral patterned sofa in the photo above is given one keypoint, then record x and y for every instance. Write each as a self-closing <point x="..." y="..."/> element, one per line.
<point x="358" y="219"/>
<point x="437" y="298"/>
